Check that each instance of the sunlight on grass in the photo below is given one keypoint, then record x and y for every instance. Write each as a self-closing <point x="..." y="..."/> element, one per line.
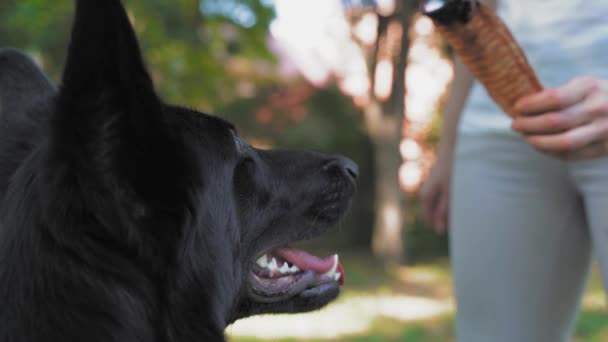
<point x="380" y="303"/>
<point x="352" y="315"/>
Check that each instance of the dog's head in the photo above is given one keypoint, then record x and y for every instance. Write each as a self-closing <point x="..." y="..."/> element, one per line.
<point x="253" y="204"/>
<point x="183" y="192"/>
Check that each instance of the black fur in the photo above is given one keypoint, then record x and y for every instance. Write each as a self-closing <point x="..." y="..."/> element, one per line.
<point x="123" y="218"/>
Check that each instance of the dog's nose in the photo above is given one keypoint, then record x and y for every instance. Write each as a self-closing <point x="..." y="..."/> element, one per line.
<point x="351" y="168"/>
<point x="348" y="167"/>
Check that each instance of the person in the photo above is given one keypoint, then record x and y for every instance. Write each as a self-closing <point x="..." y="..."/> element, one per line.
<point x="526" y="200"/>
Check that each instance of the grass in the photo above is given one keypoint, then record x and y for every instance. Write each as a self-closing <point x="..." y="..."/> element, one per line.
<point x="369" y="278"/>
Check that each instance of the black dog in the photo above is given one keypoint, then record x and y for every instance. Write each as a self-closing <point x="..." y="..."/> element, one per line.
<point x="123" y="218"/>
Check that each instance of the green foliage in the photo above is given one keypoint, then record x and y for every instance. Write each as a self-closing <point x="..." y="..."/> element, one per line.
<point x="39" y="27"/>
<point x="593" y="326"/>
<point x="336" y="124"/>
<point x="421" y="241"/>
<point x="186" y="51"/>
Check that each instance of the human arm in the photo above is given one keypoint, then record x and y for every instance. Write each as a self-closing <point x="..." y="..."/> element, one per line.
<point x="435" y="191"/>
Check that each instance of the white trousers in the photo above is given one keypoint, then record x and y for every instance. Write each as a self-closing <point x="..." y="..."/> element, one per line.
<point x="523" y="226"/>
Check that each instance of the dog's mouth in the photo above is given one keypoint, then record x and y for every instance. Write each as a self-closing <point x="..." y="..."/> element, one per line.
<point x="286" y="272"/>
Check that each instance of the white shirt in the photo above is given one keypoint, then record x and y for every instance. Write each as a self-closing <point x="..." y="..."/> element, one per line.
<point x="562" y="39"/>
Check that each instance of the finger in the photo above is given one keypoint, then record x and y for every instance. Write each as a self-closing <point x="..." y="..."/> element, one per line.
<point x="568" y="141"/>
<point x="557" y="98"/>
<point x="595" y="105"/>
<point x="595" y="150"/>
<point x="553" y="122"/>
<point x="441" y="213"/>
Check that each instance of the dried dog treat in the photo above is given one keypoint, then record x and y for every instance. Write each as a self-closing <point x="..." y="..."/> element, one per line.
<point x="486" y="47"/>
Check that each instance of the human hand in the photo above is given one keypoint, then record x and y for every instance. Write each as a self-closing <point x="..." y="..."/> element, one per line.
<point x="569" y="122"/>
<point x="435" y="192"/>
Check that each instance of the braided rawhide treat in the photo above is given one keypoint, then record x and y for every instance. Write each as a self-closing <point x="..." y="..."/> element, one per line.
<point x="486" y="47"/>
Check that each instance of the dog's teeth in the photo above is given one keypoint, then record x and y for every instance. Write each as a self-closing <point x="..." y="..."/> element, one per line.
<point x="337" y="276"/>
<point x="332" y="272"/>
<point x="294" y="269"/>
<point x="284" y="269"/>
<point x="273" y="265"/>
<point x="263" y="261"/>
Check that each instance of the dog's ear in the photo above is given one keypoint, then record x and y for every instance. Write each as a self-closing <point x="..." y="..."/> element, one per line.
<point x="104" y="62"/>
<point x="108" y="116"/>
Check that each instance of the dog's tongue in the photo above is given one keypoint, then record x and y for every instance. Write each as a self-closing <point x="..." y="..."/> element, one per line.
<point x="306" y="261"/>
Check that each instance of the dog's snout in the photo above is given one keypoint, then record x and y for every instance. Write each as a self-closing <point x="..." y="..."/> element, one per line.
<point x="347" y="167"/>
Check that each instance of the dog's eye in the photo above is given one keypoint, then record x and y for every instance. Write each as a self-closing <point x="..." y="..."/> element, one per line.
<point x="246" y="164"/>
<point x="244" y="175"/>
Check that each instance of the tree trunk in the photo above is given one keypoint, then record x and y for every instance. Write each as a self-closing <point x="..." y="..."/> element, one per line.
<point x="384" y="120"/>
<point x="384" y="116"/>
<point x="387" y="239"/>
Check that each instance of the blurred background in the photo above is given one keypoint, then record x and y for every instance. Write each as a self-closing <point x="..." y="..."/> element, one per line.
<point x="364" y="78"/>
